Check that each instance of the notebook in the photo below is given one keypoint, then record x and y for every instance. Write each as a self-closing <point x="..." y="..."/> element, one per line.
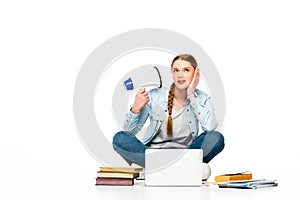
<point x="173" y="167"/>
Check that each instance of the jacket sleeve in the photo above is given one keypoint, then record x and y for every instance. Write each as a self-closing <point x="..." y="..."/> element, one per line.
<point x="203" y="109"/>
<point x="134" y="122"/>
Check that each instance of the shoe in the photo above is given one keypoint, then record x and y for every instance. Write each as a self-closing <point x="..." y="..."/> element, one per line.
<point x="134" y="165"/>
<point x="206" y="171"/>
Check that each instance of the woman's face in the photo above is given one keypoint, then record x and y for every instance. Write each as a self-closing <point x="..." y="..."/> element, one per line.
<point x="183" y="73"/>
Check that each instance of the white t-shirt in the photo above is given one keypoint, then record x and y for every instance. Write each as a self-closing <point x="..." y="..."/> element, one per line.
<point x="181" y="137"/>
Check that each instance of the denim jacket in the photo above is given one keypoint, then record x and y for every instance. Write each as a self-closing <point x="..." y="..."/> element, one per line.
<point x="200" y="111"/>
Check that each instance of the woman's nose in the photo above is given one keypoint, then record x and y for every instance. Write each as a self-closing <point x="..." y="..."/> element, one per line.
<point x="180" y="74"/>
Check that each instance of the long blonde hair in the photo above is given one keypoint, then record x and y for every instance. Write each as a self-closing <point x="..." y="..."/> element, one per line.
<point x="189" y="58"/>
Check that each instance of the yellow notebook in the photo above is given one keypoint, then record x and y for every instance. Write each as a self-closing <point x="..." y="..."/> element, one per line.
<point x="234" y="177"/>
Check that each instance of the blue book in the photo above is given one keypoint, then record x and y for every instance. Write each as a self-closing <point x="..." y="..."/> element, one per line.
<point x="252" y="184"/>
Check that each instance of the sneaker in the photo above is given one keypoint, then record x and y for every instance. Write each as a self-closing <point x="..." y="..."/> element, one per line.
<point x="206" y="171"/>
<point x="134" y="165"/>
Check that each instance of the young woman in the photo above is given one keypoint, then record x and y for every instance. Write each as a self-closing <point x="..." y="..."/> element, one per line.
<point x="175" y="115"/>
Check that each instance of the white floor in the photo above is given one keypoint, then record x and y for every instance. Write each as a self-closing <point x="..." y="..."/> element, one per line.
<point x="139" y="191"/>
<point x="68" y="172"/>
<point x="78" y="183"/>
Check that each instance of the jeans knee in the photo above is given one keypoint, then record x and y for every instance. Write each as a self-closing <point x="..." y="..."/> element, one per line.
<point x="221" y="142"/>
<point x="118" y="138"/>
<point x="216" y="139"/>
<point x="219" y="138"/>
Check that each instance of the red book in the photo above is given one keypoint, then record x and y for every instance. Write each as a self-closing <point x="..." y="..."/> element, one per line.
<point x="114" y="181"/>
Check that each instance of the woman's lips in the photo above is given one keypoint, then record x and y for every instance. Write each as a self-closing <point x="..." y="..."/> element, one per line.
<point x="180" y="82"/>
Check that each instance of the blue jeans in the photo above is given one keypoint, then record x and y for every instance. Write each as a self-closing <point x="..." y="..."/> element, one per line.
<point x="133" y="151"/>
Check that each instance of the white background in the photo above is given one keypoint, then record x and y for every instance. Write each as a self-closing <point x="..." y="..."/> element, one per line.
<point x="253" y="44"/>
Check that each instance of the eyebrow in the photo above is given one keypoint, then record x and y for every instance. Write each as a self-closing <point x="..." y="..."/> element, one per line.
<point x="182" y="68"/>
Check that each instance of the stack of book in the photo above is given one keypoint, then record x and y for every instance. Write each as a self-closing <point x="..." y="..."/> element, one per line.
<point x="117" y="176"/>
<point x="243" y="180"/>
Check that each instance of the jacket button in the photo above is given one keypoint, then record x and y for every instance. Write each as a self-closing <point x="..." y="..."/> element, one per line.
<point x="190" y="122"/>
<point x="187" y="110"/>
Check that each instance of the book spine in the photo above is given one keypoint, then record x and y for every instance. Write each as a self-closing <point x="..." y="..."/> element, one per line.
<point x="114" y="181"/>
<point x="117" y="175"/>
<point x="123" y="170"/>
<point x="233" y="177"/>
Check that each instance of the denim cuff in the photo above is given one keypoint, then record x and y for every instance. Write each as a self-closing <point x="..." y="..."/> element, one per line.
<point x="132" y="115"/>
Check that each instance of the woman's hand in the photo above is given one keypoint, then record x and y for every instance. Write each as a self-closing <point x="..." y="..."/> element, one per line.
<point x="141" y="99"/>
<point x="194" y="82"/>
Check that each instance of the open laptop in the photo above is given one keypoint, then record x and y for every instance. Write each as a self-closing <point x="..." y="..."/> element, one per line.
<point x="173" y="167"/>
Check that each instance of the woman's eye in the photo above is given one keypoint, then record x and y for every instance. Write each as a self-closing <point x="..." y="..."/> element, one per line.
<point x="186" y="70"/>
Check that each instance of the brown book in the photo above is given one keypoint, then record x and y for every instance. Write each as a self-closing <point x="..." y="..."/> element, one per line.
<point x="233" y="177"/>
<point x="114" y="181"/>
<point x="121" y="169"/>
<point x="102" y="174"/>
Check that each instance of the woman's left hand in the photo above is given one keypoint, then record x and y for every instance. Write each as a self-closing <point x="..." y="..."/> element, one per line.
<point x="194" y="82"/>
